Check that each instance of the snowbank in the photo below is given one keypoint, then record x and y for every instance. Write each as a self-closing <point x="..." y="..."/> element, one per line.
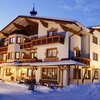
<point x="13" y="91"/>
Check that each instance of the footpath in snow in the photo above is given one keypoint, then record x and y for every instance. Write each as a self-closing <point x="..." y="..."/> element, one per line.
<point x="15" y="91"/>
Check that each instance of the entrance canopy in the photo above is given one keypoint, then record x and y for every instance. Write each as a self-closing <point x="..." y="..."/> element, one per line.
<point x="59" y="63"/>
<point x="65" y="62"/>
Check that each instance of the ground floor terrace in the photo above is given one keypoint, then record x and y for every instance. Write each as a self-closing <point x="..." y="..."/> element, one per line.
<point x="59" y="73"/>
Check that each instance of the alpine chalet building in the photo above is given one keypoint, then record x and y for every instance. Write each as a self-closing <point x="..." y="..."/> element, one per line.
<point x="57" y="51"/>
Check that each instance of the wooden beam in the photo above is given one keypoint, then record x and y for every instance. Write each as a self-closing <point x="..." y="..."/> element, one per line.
<point x="94" y="74"/>
<point x="66" y="29"/>
<point x="84" y="75"/>
<point x="62" y="68"/>
<point x="30" y="22"/>
<point x="68" y="75"/>
<point x="19" y="26"/>
<point x="45" y="24"/>
<point x="77" y="77"/>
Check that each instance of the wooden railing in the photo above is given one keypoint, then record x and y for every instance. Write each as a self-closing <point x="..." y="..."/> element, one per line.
<point x="43" y="41"/>
<point x="3" y="61"/>
<point x="82" y="60"/>
<point x="31" y="60"/>
<point x="3" y="49"/>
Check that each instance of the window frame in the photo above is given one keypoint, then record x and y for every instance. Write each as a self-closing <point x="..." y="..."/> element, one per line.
<point x="16" y="55"/>
<point x="88" y="74"/>
<point x="95" y="56"/>
<point x="51" y="55"/>
<point x="12" y="40"/>
<point x="18" y="37"/>
<point x="34" y="55"/>
<point x="50" y="71"/>
<point x="96" y="76"/>
<point x="75" y="73"/>
<point x="10" y="55"/>
<point x="95" y="39"/>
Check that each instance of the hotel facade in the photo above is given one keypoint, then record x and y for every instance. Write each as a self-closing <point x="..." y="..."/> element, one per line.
<point x="57" y="51"/>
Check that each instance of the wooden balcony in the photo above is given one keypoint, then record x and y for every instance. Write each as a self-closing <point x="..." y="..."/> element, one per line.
<point x="48" y="40"/>
<point x="3" y="49"/>
<point x="26" y="45"/>
<point x="3" y="61"/>
<point x="82" y="60"/>
<point x="43" y="41"/>
<point x="26" y="60"/>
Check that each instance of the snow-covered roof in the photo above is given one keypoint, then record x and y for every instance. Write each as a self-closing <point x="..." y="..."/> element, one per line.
<point x="65" y="62"/>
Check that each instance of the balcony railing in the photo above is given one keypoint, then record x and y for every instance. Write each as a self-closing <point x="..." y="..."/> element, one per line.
<point x="3" y="49"/>
<point x="43" y="41"/>
<point x="82" y="60"/>
<point x="3" y="61"/>
<point x="48" y="40"/>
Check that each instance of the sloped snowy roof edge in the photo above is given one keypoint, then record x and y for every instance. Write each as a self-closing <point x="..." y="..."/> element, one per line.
<point x="65" y="62"/>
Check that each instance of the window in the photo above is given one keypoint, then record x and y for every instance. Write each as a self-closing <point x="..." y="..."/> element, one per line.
<point x="8" y="72"/>
<point x="76" y="53"/>
<point x="95" y="56"/>
<point x="49" y="73"/>
<point x="17" y="55"/>
<point x="12" y="40"/>
<point x="29" y="72"/>
<point x="18" y="40"/>
<point x="88" y="74"/>
<point x="51" y="52"/>
<point x="23" y="54"/>
<point x="24" y="39"/>
<point x="10" y="55"/>
<point x="33" y="55"/>
<point x="96" y="74"/>
<point x="75" y="72"/>
<point x="52" y="31"/>
<point x="95" y="40"/>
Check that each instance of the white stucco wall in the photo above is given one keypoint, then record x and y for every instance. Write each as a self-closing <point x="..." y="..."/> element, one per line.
<point x="96" y="49"/>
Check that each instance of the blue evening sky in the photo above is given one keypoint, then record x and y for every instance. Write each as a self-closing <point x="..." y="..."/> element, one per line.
<point x="86" y="12"/>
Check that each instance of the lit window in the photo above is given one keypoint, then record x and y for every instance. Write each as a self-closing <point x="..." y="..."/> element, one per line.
<point x="88" y="74"/>
<point x="95" y="56"/>
<point x="18" y="39"/>
<point x="96" y="74"/>
<point x="24" y="40"/>
<point x="17" y="55"/>
<point x="33" y="55"/>
<point x="52" y="52"/>
<point x="8" y="72"/>
<point x="10" y="55"/>
<point x="29" y="72"/>
<point x="23" y="55"/>
<point x="49" y="73"/>
<point x="95" y="40"/>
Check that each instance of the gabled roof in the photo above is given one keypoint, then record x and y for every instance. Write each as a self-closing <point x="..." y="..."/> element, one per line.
<point x="22" y="21"/>
<point x="93" y="28"/>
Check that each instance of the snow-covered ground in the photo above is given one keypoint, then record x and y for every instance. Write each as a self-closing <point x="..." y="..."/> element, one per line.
<point x="13" y="91"/>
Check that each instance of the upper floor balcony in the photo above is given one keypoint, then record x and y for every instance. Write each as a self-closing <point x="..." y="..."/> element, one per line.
<point x="82" y="60"/>
<point x="43" y="41"/>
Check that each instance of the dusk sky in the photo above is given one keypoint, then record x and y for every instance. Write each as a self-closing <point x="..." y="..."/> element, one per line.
<point x="87" y="12"/>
